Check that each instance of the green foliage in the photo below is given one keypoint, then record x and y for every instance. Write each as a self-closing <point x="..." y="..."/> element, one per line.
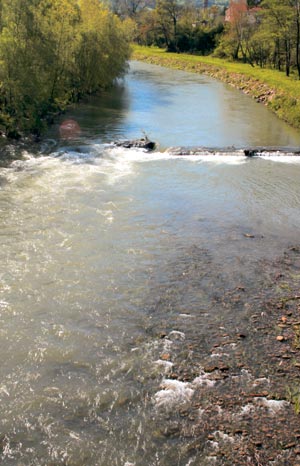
<point x="180" y="27"/>
<point x="265" y="33"/>
<point x="293" y="396"/>
<point x="53" y="52"/>
<point x="253" y="3"/>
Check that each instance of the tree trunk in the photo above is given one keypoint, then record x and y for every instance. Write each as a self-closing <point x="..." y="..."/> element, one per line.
<point x="298" y="41"/>
<point x="287" y="57"/>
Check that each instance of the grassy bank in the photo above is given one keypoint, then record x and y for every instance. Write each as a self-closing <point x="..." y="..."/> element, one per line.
<point x="270" y="87"/>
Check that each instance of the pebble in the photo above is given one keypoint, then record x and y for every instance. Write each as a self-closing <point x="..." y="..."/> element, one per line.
<point x="258" y="443"/>
<point x="211" y="368"/>
<point x="289" y="445"/>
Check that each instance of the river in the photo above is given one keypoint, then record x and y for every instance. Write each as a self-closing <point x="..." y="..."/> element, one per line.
<point x="114" y="263"/>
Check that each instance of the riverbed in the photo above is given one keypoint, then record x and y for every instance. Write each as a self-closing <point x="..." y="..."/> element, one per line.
<point x="133" y="284"/>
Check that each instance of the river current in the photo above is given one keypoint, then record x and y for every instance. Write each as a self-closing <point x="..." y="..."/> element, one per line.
<point x="113" y="260"/>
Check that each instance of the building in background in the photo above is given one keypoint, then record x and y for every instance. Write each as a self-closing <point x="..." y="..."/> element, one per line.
<point x="236" y="9"/>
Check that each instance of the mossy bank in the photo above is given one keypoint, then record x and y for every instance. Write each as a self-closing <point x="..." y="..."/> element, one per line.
<point x="270" y="87"/>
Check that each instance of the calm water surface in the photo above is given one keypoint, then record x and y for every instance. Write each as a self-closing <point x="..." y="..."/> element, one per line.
<point x="103" y="248"/>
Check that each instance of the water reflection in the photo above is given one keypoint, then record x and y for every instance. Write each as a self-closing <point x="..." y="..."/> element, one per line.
<point x="187" y="109"/>
<point x="178" y="108"/>
<point x="101" y="116"/>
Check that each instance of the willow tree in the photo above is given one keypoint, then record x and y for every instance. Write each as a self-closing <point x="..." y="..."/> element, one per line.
<point x="101" y="49"/>
<point x="57" y="22"/>
<point x="20" y="84"/>
<point x="52" y="51"/>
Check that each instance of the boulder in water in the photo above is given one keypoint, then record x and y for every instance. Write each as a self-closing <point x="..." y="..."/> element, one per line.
<point x="250" y="152"/>
<point x="143" y="143"/>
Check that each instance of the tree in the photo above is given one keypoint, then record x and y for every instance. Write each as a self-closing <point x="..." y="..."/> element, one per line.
<point x="279" y="17"/>
<point x="253" y="3"/>
<point x="241" y="25"/>
<point x="54" y="51"/>
<point x="296" y="6"/>
<point x="129" y="8"/>
<point x="168" y="12"/>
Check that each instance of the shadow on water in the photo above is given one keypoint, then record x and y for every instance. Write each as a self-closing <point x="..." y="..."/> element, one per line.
<point x="99" y="117"/>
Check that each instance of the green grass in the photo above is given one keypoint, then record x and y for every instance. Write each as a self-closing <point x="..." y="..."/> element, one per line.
<point x="293" y="396"/>
<point x="280" y="93"/>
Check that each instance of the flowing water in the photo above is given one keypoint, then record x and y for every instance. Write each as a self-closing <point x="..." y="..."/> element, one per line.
<point x="113" y="260"/>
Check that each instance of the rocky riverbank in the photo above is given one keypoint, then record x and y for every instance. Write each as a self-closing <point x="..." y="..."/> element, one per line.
<point x="286" y="106"/>
<point x="234" y="398"/>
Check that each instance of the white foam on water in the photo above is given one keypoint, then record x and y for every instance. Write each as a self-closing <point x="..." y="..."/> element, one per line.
<point x="167" y="344"/>
<point x="247" y="409"/>
<point x="190" y="461"/>
<point x="201" y="411"/>
<point x="219" y="355"/>
<point x="223" y="436"/>
<point x="176" y="335"/>
<point x="7" y="450"/>
<point x="74" y="435"/>
<point x="217" y="158"/>
<point x="236" y="157"/>
<point x="203" y="379"/>
<point x="138" y="155"/>
<point x="232" y="345"/>
<point x="274" y="406"/>
<point x="214" y="445"/>
<point x="77" y="164"/>
<point x="166" y="365"/>
<point x="220" y="409"/>
<point x="279" y="157"/>
<point x="173" y="393"/>
<point x="244" y="375"/>
<point x="114" y="163"/>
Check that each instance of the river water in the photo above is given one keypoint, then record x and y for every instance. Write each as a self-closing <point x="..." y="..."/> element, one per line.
<point x="113" y="262"/>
